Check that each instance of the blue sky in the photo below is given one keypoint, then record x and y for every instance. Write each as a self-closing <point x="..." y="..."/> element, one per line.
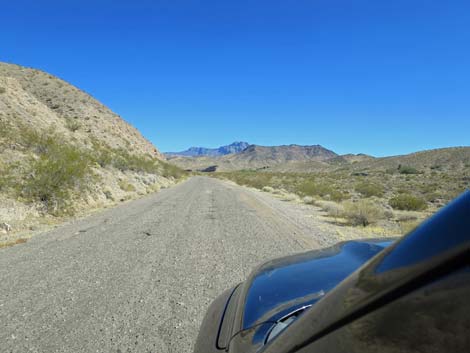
<point x="379" y="77"/>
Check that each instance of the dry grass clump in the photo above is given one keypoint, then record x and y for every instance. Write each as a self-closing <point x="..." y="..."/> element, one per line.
<point x="333" y="209"/>
<point x="268" y="189"/>
<point x="359" y="213"/>
<point x="290" y="197"/>
<point x="73" y="124"/>
<point x="363" y="212"/>
<point x="408" y="226"/>
<point x="13" y="242"/>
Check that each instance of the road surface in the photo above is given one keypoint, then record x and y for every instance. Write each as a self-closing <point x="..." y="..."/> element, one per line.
<point x="138" y="277"/>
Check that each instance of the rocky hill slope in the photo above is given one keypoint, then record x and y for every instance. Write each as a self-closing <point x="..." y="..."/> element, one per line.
<point x="63" y="152"/>
<point x="235" y="147"/>
<point x="41" y="100"/>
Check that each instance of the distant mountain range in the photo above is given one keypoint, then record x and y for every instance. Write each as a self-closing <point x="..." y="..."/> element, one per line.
<point x="295" y="158"/>
<point x="241" y="155"/>
<point x="235" y="147"/>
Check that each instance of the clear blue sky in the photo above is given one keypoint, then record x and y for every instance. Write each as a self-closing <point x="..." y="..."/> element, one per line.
<point x="372" y="76"/>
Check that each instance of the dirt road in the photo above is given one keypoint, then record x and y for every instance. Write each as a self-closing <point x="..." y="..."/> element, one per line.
<point x="138" y="278"/>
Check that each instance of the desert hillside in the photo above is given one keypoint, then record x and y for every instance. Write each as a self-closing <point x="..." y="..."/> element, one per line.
<point x="63" y="152"/>
<point x="41" y="100"/>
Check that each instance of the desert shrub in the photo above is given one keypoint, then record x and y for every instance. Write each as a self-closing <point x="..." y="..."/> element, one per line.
<point x="322" y="189"/>
<point x="268" y="189"/>
<point x="103" y="157"/>
<point x="171" y="171"/>
<point x="407" y="216"/>
<point x="363" y="212"/>
<point x="308" y="188"/>
<point x="403" y="169"/>
<point x="309" y="200"/>
<point x="125" y="186"/>
<point x="56" y="175"/>
<point x="2" y="90"/>
<point x="369" y="189"/>
<point x="123" y="161"/>
<point x="337" y="195"/>
<point x="408" y="202"/>
<point x="5" y="180"/>
<point x="333" y="209"/>
<point x="257" y="180"/>
<point x="72" y="124"/>
<point x="108" y="194"/>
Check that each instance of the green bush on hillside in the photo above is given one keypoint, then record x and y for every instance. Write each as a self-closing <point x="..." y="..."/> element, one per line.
<point x="369" y="189"/>
<point x="408" y="170"/>
<point x="321" y="189"/>
<point x="408" y="202"/>
<point x="171" y="171"/>
<point x="59" y="173"/>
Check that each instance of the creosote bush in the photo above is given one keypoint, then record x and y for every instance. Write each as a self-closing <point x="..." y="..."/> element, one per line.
<point x="321" y="189"/>
<point x="408" y="170"/>
<point x="171" y="171"/>
<point x="61" y="172"/>
<point x="408" y="202"/>
<point x="369" y="189"/>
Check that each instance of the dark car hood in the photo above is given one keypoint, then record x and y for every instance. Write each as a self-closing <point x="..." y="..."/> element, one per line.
<point x="283" y="285"/>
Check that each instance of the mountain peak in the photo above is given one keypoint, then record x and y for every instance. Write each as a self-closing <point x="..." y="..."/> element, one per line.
<point x="235" y="147"/>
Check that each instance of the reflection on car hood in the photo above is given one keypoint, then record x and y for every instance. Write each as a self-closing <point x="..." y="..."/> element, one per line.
<point x="283" y="285"/>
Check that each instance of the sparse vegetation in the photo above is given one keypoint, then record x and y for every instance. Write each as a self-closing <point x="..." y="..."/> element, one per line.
<point x="365" y="197"/>
<point x="2" y="90"/>
<point x="57" y="173"/>
<point x="125" y="161"/>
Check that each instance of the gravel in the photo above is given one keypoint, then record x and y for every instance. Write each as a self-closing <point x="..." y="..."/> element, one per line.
<point x="139" y="277"/>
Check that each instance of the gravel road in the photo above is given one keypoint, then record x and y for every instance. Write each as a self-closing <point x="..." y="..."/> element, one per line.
<point x="139" y="277"/>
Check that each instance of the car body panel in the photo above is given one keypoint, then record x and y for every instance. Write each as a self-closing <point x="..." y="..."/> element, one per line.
<point x="347" y="283"/>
